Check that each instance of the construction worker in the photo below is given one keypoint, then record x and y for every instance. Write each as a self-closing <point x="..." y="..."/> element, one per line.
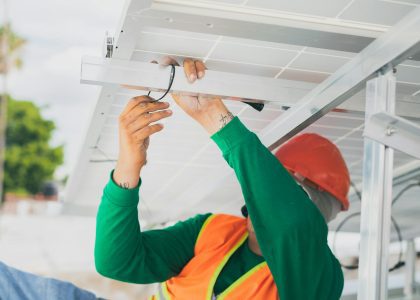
<point x="279" y="251"/>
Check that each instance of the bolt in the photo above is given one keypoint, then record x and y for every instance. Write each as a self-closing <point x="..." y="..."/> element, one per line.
<point x="390" y="131"/>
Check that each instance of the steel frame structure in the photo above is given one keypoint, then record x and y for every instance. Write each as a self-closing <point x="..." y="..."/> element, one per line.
<point x="375" y="224"/>
<point x="373" y="65"/>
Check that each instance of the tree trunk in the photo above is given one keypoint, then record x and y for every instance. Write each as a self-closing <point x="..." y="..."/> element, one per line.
<point x="3" y="124"/>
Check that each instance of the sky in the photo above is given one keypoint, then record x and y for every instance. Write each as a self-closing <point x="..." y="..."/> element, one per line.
<point x="58" y="34"/>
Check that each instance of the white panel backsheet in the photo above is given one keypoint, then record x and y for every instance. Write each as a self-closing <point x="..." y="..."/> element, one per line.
<point x="182" y="159"/>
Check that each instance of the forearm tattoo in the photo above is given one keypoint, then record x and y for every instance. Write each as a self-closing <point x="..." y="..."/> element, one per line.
<point x="124" y="185"/>
<point x="224" y="119"/>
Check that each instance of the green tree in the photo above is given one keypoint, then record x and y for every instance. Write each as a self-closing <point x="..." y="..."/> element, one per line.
<point x="10" y="43"/>
<point x="13" y="43"/>
<point x="30" y="160"/>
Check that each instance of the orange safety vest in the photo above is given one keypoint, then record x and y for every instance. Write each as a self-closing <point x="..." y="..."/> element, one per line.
<point x="218" y="239"/>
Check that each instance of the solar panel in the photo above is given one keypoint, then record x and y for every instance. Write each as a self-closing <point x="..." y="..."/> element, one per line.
<point x="186" y="173"/>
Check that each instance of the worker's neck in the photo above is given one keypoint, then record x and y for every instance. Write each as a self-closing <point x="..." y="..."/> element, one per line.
<point x="253" y="245"/>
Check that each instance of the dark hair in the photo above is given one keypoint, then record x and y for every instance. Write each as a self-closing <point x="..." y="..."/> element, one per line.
<point x="244" y="211"/>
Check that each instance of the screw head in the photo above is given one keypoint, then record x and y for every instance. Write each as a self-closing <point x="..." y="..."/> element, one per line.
<point x="390" y="131"/>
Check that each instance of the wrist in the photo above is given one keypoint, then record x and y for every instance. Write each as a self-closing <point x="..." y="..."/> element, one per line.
<point x="214" y="118"/>
<point x="127" y="175"/>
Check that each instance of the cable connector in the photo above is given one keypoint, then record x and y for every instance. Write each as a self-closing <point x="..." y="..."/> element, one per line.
<point x="108" y="49"/>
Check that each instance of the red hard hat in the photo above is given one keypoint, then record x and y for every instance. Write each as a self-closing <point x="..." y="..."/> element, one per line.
<point x="317" y="159"/>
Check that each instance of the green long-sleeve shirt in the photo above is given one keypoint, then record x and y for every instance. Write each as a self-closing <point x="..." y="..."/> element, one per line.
<point x="290" y="230"/>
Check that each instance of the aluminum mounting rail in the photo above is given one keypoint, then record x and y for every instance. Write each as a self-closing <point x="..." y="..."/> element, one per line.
<point x="234" y="86"/>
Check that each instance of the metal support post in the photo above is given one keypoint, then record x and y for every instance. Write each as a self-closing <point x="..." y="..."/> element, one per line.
<point x="410" y="268"/>
<point x="377" y="195"/>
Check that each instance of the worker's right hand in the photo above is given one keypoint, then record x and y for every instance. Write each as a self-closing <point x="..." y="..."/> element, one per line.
<point x="136" y="124"/>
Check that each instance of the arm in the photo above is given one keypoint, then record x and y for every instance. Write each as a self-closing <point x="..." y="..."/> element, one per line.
<point x="290" y="230"/>
<point x="122" y="251"/>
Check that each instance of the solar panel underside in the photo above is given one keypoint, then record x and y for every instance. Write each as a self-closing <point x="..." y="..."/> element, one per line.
<point x="185" y="170"/>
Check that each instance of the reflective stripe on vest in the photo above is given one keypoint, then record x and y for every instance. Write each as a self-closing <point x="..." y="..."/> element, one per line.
<point x="162" y="293"/>
<point x="241" y="279"/>
<point x="219" y="237"/>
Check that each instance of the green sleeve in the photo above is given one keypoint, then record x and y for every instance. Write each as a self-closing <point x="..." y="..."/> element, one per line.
<point x="124" y="253"/>
<point x="290" y="230"/>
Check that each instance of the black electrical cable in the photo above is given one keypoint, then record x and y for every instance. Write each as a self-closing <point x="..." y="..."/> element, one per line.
<point x="396" y="266"/>
<point x="344" y="221"/>
<point x="400" y="262"/>
<point x="408" y="187"/>
<point x="340" y="225"/>
<point x="256" y="106"/>
<point x="171" y="80"/>
<point x="356" y="190"/>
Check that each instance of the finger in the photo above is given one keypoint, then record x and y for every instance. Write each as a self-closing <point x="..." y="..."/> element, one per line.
<point x="146" y="132"/>
<point x="146" y="119"/>
<point x="147" y="107"/>
<point x="168" y="60"/>
<point x="135" y="102"/>
<point x="189" y="69"/>
<point x="143" y="108"/>
<point x="201" y="68"/>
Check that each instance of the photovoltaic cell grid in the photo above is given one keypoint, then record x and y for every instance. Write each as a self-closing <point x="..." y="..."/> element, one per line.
<point x="186" y="173"/>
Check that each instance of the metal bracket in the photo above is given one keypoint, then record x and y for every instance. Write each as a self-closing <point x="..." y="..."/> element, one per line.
<point x="395" y="132"/>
